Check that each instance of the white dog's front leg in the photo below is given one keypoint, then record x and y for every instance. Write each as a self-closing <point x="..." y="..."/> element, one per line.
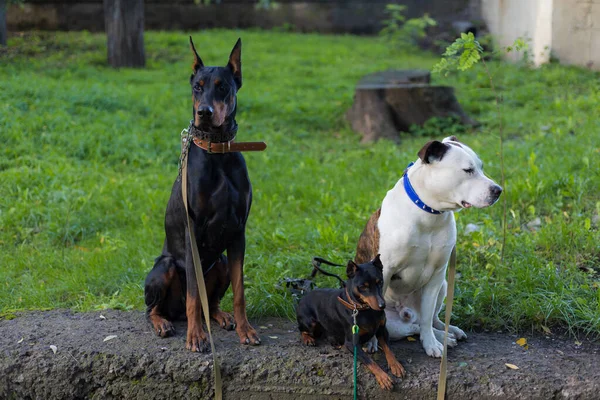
<point x="429" y="296"/>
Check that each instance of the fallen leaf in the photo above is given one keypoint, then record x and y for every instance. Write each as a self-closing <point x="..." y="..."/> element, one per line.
<point x="109" y="337"/>
<point x="20" y="341"/>
<point x="462" y="364"/>
<point x="102" y="316"/>
<point x="411" y="339"/>
<point x="578" y="343"/>
<point x="262" y="327"/>
<point x="522" y="342"/>
<point x="53" y="348"/>
<point x="560" y="352"/>
<point x="511" y="366"/>
<point x="546" y="329"/>
<point x="273" y="337"/>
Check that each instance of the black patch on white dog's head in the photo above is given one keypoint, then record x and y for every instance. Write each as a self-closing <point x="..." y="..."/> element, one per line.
<point x="433" y="151"/>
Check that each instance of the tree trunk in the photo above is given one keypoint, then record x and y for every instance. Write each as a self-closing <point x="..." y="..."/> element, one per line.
<point x="3" y="34"/>
<point x="389" y="102"/>
<point x="124" y="23"/>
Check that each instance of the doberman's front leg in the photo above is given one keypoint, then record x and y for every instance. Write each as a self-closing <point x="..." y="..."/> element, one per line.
<point x="235" y="259"/>
<point x="383" y="379"/>
<point x="196" y="337"/>
<point x="383" y="338"/>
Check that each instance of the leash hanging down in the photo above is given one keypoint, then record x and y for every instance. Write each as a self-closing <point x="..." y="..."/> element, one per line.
<point x="441" y="394"/>
<point x="198" y="266"/>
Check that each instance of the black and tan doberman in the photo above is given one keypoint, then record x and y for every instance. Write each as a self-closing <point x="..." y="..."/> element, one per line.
<point x="219" y="200"/>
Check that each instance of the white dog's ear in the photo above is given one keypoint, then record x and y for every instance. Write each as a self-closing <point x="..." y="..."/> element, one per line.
<point x="351" y="269"/>
<point x="377" y="262"/>
<point x="433" y="151"/>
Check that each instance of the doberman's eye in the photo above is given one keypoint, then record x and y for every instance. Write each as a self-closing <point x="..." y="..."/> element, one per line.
<point x="197" y="87"/>
<point x="469" y="170"/>
<point x="362" y="288"/>
<point x="222" y="88"/>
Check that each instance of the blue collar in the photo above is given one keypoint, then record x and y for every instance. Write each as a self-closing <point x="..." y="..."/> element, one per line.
<point x="413" y="196"/>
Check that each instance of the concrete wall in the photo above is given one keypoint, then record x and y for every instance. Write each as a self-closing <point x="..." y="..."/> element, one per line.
<point x="326" y="16"/>
<point x="567" y="29"/>
<point x="508" y="20"/>
<point x="576" y="32"/>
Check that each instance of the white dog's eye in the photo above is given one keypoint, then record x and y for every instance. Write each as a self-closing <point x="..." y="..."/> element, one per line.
<point x="469" y="170"/>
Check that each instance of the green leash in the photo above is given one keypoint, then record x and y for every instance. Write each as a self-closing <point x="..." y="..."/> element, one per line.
<point x="356" y="343"/>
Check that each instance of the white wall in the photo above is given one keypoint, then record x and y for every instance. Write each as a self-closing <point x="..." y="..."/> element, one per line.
<point x="508" y="20"/>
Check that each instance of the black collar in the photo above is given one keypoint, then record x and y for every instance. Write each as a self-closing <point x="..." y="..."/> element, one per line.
<point x="214" y="137"/>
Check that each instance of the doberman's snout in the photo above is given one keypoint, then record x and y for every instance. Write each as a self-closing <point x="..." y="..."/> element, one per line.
<point x="205" y="112"/>
<point x="381" y="303"/>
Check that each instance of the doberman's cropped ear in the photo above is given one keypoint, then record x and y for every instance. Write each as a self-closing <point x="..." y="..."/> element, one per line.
<point x="351" y="269"/>
<point x="377" y="262"/>
<point x="433" y="151"/>
<point x="197" y="64"/>
<point x="235" y="63"/>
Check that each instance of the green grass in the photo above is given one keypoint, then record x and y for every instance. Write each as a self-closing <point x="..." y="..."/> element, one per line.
<point x="89" y="154"/>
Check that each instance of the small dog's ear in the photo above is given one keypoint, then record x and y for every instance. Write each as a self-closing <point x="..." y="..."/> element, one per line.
<point x="351" y="269"/>
<point x="197" y="64"/>
<point x="235" y="63"/>
<point x="433" y="151"/>
<point x="377" y="262"/>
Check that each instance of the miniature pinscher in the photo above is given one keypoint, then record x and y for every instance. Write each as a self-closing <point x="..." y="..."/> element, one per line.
<point x="328" y="313"/>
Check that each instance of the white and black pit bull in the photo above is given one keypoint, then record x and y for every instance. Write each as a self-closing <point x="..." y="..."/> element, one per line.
<point x="414" y="231"/>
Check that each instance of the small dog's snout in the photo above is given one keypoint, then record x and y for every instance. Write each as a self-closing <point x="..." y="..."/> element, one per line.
<point x="496" y="191"/>
<point x="205" y="112"/>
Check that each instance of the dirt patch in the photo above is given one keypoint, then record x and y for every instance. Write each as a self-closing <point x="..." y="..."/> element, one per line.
<point x="138" y="364"/>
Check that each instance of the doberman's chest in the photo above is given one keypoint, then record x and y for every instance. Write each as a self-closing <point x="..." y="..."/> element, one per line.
<point x="368" y="325"/>
<point x="221" y="203"/>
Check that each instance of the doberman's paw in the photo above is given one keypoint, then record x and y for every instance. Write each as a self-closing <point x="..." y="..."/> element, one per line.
<point x="247" y="335"/>
<point x="307" y="339"/>
<point x="397" y="369"/>
<point x="162" y="327"/>
<point x="197" y="342"/>
<point x="384" y="381"/>
<point x="225" y="320"/>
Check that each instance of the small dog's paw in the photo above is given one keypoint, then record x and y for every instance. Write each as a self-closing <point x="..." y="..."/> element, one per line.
<point x="197" y="341"/>
<point x="397" y="369"/>
<point x="307" y="339"/>
<point x="371" y="346"/>
<point x="225" y="320"/>
<point x="432" y="347"/>
<point x="247" y="334"/>
<point x="458" y="333"/>
<point x="384" y="380"/>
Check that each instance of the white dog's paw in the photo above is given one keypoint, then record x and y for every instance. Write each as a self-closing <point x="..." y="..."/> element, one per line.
<point x="439" y="335"/>
<point x="458" y="333"/>
<point x="371" y="346"/>
<point x="433" y="347"/>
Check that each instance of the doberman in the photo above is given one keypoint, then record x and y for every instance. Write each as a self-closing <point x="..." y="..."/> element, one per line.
<point x="328" y="312"/>
<point x="219" y="199"/>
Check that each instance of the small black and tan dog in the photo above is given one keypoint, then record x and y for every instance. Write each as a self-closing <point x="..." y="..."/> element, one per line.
<point x="219" y="199"/>
<point x="328" y="313"/>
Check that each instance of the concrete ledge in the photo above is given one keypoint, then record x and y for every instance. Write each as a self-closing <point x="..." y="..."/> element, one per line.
<point x="137" y="364"/>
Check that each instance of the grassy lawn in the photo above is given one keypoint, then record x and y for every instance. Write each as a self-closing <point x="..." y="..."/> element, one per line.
<point x="88" y="156"/>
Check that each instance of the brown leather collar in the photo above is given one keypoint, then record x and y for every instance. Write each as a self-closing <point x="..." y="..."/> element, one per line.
<point x="351" y="304"/>
<point x="229" y="147"/>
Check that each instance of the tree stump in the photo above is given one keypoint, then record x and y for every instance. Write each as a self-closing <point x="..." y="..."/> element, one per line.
<point x="389" y="102"/>
<point x="124" y="24"/>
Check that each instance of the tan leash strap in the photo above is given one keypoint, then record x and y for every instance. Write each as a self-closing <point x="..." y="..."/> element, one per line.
<point x="201" y="284"/>
<point x="441" y="394"/>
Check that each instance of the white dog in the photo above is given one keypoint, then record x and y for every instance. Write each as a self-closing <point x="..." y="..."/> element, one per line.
<point x="414" y="231"/>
